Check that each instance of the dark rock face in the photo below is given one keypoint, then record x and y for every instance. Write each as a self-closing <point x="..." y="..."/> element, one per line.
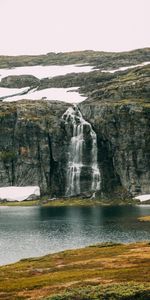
<point x="123" y="143"/>
<point x="32" y="146"/>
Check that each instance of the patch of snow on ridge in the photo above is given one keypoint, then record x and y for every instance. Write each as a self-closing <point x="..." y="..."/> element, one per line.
<point x="126" y="68"/>
<point x="15" y="193"/>
<point x="4" y="92"/>
<point x="143" y="198"/>
<point x="69" y="95"/>
<point x="45" y="71"/>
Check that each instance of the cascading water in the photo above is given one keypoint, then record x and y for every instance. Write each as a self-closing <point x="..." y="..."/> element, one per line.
<point x="77" y="150"/>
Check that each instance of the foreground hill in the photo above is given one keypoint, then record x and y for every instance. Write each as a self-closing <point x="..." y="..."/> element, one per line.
<point x="106" y="271"/>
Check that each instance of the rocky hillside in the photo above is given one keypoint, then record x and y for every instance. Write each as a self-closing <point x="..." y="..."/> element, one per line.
<point x="98" y="59"/>
<point x="34" y="144"/>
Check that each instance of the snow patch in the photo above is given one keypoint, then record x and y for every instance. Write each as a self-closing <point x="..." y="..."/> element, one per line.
<point x="69" y="95"/>
<point x="143" y="198"/>
<point x="13" y="193"/>
<point x="8" y="92"/>
<point x="126" y="68"/>
<point x="45" y="71"/>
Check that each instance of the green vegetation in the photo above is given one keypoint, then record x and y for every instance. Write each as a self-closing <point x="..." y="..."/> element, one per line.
<point x="7" y="155"/>
<point x="89" y="202"/>
<point x="103" y="271"/>
<point x="22" y="203"/>
<point x="71" y="202"/>
<point x="128" y="291"/>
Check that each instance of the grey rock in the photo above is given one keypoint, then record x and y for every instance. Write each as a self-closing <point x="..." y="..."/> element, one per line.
<point x="123" y="143"/>
<point x="19" y="81"/>
<point x="34" y="144"/>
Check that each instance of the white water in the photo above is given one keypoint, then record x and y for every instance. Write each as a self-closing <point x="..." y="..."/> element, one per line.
<point x="74" y="117"/>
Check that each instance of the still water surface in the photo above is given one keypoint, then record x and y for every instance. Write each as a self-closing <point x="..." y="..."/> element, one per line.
<point x="35" y="231"/>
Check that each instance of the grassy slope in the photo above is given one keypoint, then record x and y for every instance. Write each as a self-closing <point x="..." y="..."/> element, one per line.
<point x="97" y="270"/>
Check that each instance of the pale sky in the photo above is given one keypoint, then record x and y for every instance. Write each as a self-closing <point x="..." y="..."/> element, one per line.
<point x="41" y="26"/>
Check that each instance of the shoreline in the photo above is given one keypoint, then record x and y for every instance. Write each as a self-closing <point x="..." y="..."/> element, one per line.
<point x="78" y="202"/>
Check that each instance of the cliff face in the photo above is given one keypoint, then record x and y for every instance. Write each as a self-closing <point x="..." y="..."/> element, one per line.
<point x="35" y="141"/>
<point x="32" y="146"/>
<point x="123" y="143"/>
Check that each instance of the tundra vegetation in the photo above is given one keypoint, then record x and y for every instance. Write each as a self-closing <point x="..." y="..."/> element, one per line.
<point x="104" y="271"/>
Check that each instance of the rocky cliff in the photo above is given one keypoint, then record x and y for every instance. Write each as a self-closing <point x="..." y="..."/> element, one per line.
<point x="112" y="124"/>
<point x="123" y="143"/>
<point x="35" y="141"/>
<point x="32" y="145"/>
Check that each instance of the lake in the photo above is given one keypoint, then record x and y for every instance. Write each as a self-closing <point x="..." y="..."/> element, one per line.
<point x="35" y="231"/>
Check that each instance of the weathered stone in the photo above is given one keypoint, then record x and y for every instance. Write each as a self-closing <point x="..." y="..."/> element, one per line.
<point x="123" y="143"/>
<point x="19" y="81"/>
<point x="32" y="146"/>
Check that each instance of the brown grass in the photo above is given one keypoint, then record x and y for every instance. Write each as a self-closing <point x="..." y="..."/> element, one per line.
<point x="40" y="277"/>
<point x="144" y="219"/>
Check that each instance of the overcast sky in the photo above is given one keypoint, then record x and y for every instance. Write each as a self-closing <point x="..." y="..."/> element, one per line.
<point x="41" y="26"/>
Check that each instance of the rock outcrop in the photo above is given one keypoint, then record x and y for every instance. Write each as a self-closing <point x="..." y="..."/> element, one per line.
<point x="19" y="81"/>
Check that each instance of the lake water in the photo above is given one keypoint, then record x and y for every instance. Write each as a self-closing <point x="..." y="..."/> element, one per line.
<point x="35" y="231"/>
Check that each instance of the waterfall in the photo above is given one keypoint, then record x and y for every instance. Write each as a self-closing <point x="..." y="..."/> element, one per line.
<point x="77" y="150"/>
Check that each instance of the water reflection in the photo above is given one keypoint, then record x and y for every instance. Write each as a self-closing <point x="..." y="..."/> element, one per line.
<point x="35" y="231"/>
